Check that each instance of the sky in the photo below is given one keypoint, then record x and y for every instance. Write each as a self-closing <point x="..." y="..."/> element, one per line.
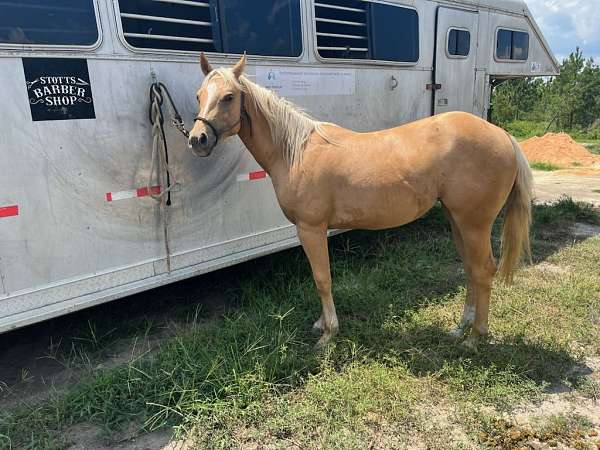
<point x="567" y="24"/>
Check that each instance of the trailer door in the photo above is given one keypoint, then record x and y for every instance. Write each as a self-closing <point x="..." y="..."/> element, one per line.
<point x="456" y="57"/>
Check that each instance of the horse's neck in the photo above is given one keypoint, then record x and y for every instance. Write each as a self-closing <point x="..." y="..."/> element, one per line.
<point x="256" y="136"/>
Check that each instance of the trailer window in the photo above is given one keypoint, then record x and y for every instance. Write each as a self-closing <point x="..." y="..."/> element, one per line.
<point x="38" y="22"/>
<point x="459" y="42"/>
<point x="520" y="46"/>
<point x="394" y="33"/>
<point x="357" y="29"/>
<point x="264" y="27"/>
<point x="512" y="45"/>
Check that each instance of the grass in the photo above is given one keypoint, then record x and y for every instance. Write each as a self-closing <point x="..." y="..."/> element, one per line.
<point x="525" y="129"/>
<point x="593" y="147"/>
<point x="391" y="379"/>
<point x="545" y="166"/>
<point x="565" y="211"/>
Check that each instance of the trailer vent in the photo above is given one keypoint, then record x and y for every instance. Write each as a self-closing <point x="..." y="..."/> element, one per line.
<point x="361" y="29"/>
<point x="168" y="24"/>
<point x="342" y="30"/>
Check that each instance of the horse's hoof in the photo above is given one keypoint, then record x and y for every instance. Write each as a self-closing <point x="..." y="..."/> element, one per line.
<point x="457" y="334"/>
<point x="470" y="343"/>
<point x="460" y="331"/>
<point x="318" y="327"/>
<point x="323" y="341"/>
<point x="473" y="341"/>
<point x="326" y="337"/>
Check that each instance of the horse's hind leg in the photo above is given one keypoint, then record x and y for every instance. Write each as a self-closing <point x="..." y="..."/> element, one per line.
<point x="480" y="268"/>
<point x="314" y="243"/>
<point x="468" y="314"/>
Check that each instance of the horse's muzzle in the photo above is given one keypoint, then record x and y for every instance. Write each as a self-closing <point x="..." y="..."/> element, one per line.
<point x="201" y="145"/>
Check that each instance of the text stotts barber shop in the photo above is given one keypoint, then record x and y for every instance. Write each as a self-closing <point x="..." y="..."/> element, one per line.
<point x="59" y="91"/>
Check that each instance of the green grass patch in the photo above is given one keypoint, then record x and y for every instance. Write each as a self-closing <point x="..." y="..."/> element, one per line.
<point x="250" y="376"/>
<point x="566" y="210"/>
<point x="525" y="129"/>
<point x="593" y="147"/>
<point x="545" y="166"/>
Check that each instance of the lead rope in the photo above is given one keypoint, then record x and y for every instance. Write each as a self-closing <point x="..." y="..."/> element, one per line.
<point x="158" y="92"/>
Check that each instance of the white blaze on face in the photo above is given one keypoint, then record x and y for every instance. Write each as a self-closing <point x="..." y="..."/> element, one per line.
<point x="210" y="99"/>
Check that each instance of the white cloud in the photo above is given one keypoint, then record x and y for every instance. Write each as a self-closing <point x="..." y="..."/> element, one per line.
<point x="568" y="24"/>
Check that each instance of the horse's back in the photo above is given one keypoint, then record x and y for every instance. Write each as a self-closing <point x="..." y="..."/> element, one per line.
<point x="455" y="142"/>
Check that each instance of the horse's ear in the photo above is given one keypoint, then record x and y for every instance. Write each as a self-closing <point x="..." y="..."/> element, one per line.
<point x="206" y="67"/>
<point x="239" y="68"/>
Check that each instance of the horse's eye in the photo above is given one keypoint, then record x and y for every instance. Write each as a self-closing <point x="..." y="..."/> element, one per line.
<point x="228" y="98"/>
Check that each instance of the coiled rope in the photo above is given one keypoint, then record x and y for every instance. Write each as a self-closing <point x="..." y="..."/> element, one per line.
<point x="160" y="156"/>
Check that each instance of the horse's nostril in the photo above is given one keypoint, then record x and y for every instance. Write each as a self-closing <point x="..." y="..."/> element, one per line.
<point x="193" y="140"/>
<point x="203" y="139"/>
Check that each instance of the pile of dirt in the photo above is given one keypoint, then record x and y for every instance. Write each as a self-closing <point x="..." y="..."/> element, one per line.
<point x="560" y="150"/>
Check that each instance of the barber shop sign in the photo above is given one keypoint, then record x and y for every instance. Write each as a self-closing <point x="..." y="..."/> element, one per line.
<point x="58" y="89"/>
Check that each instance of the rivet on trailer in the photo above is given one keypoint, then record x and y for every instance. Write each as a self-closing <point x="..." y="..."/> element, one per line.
<point x="78" y="225"/>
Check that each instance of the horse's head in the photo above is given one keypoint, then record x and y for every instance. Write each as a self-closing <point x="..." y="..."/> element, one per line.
<point x="220" y="106"/>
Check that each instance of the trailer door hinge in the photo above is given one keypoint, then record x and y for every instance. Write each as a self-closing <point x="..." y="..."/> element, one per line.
<point x="433" y="87"/>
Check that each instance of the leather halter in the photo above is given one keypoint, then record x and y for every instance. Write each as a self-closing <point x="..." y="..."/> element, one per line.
<point x="214" y="129"/>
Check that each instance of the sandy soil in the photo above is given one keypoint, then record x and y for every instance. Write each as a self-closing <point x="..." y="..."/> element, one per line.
<point x="580" y="184"/>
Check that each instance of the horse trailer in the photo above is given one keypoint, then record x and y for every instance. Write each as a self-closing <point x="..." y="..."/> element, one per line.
<point x="79" y="220"/>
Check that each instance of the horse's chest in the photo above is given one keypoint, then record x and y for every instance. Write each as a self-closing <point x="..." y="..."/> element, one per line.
<point x="307" y="203"/>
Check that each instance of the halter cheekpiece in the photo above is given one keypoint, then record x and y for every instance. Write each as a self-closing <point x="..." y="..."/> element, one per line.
<point x="214" y="129"/>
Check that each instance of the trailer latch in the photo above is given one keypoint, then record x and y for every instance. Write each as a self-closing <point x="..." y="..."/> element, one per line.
<point x="433" y="87"/>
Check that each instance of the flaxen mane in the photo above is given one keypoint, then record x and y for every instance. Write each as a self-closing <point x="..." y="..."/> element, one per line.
<point x="290" y="126"/>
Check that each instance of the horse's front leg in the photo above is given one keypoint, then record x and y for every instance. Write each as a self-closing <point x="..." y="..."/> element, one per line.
<point x="314" y="243"/>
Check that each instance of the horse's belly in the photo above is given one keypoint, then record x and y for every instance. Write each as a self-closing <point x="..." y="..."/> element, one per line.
<point x="375" y="209"/>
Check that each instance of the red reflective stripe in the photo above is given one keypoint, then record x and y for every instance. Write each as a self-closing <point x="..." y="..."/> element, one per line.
<point x="9" y="211"/>
<point x="257" y="175"/>
<point x="143" y="192"/>
<point x="140" y="192"/>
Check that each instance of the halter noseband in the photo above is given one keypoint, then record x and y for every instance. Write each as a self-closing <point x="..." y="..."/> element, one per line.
<point x="218" y="133"/>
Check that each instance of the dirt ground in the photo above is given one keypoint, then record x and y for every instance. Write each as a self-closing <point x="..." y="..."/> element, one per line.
<point x="579" y="183"/>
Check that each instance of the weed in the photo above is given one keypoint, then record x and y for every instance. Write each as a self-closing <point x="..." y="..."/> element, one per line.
<point x="594" y="148"/>
<point x="545" y="166"/>
<point x="564" y="210"/>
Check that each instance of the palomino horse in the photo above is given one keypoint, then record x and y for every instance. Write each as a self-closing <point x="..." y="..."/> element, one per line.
<point x="327" y="177"/>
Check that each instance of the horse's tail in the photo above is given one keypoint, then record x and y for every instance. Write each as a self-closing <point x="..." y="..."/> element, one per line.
<point x="517" y="218"/>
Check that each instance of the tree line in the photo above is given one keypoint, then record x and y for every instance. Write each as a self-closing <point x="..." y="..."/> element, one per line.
<point x="568" y="102"/>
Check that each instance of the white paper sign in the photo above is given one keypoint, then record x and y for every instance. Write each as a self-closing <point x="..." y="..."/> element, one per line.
<point x="295" y="82"/>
